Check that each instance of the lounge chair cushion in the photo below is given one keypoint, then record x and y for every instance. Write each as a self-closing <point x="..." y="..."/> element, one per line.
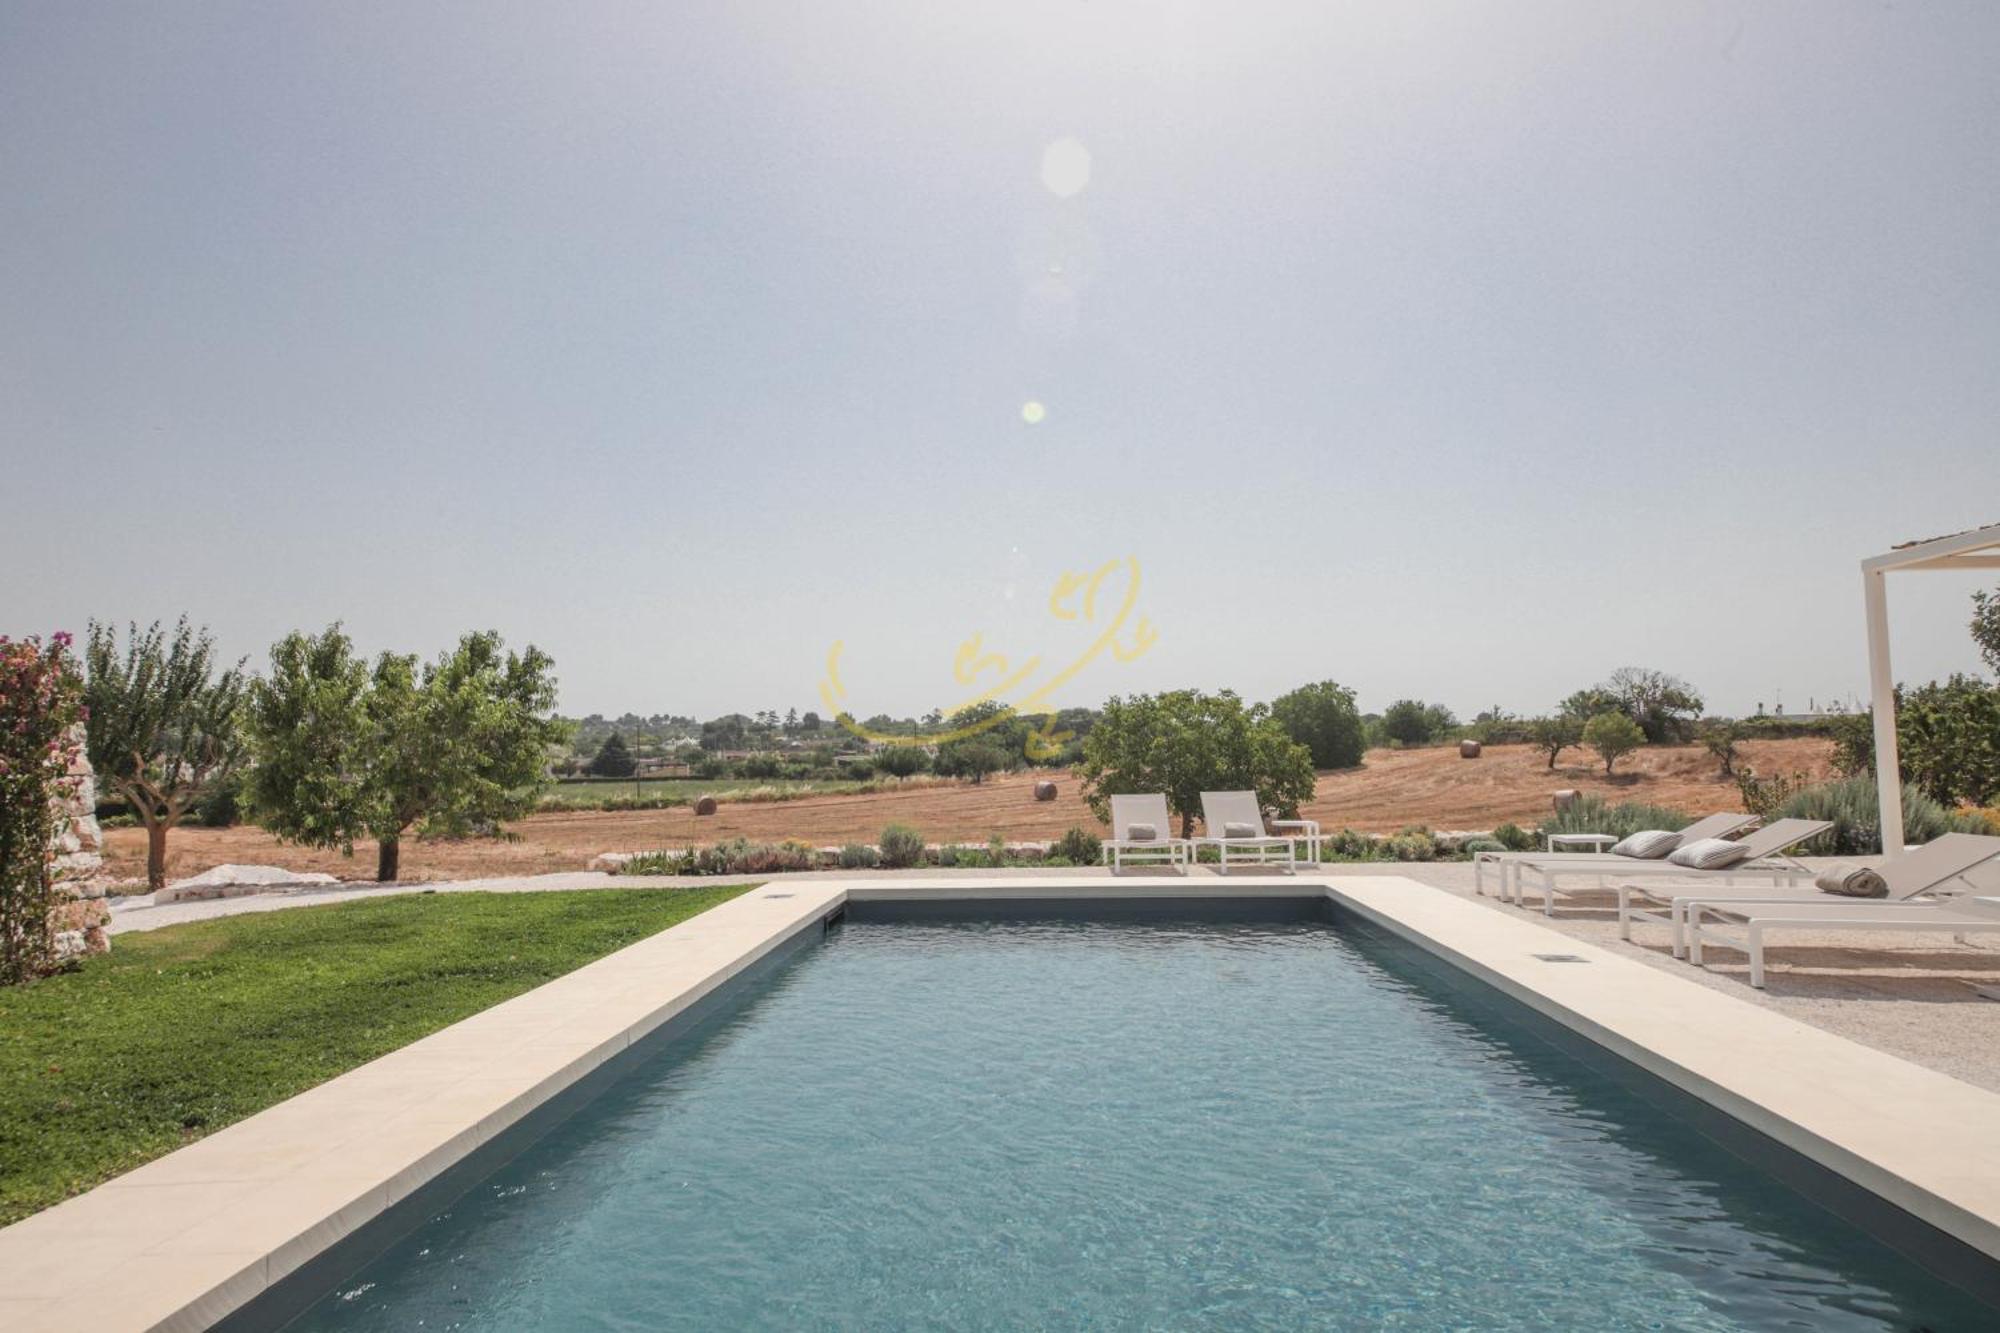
<point x="1709" y="854"/>
<point x="1852" y="881"/>
<point x="1141" y="833"/>
<point x="1648" y="844"/>
<point x="1232" y="829"/>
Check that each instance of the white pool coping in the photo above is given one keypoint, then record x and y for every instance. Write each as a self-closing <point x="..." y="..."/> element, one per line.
<point x="185" y="1240"/>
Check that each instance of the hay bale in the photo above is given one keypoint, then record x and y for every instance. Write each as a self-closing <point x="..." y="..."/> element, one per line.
<point x="1565" y="799"/>
<point x="1045" y="790"/>
<point x="1468" y="749"/>
<point x="705" y="806"/>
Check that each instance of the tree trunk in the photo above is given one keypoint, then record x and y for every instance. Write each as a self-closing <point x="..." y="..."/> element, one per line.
<point x="387" y="856"/>
<point x="156" y="855"/>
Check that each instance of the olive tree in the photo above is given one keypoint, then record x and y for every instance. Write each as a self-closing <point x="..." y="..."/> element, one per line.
<point x="162" y="725"/>
<point x="1322" y="718"/>
<point x="347" y="751"/>
<point x="1554" y="734"/>
<point x="1185" y="742"/>
<point x="1613" y="736"/>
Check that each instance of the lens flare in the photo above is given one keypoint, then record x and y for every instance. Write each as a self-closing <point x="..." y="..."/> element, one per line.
<point x="1032" y="412"/>
<point x="1065" y="168"/>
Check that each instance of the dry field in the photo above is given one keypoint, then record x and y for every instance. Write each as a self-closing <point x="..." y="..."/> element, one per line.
<point x="1393" y="789"/>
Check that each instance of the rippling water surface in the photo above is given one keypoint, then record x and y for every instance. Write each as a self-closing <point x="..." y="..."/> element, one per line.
<point x="1063" y="1125"/>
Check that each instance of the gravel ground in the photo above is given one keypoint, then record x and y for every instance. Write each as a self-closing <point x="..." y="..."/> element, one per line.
<point x="1915" y="996"/>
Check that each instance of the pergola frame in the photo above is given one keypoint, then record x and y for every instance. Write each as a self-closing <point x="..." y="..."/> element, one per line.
<point x="1977" y="549"/>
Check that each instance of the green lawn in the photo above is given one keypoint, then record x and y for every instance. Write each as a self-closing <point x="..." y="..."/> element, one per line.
<point x="183" y="1030"/>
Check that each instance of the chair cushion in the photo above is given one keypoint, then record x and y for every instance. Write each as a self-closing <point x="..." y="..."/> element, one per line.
<point x="1141" y="833"/>
<point x="1709" y="854"/>
<point x="1852" y="881"/>
<point x="1232" y="829"/>
<point x="1647" y="844"/>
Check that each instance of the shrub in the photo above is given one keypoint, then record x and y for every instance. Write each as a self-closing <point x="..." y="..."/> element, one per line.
<point x="1514" y="838"/>
<point x="1590" y="814"/>
<point x="859" y="856"/>
<point x="1613" y="736"/>
<point x="902" y="846"/>
<point x="740" y="856"/>
<point x="656" y="863"/>
<point x="40" y="702"/>
<point x="1079" y="847"/>
<point x="1415" y="843"/>
<point x="1764" y="796"/>
<point x="1348" y="845"/>
<point x="1474" y="845"/>
<point x="1851" y="805"/>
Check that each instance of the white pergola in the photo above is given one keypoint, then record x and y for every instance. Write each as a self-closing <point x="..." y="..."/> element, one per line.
<point x="1976" y="549"/>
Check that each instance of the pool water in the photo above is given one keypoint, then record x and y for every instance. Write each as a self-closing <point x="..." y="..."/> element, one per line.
<point x="1134" y="1125"/>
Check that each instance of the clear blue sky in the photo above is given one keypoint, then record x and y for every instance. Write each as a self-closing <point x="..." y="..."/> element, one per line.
<point x="1465" y="351"/>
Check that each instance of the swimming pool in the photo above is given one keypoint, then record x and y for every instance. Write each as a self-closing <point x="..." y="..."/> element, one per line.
<point x="1162" y="1123"/>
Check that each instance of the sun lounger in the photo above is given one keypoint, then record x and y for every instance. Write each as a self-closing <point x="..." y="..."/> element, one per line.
<point x="1222" y="810"/>
<point x="1710" y="826"/>
<point x="1766" y="859"/>
<point x="1939" y="917"/>
<point x="1939" y="866"/>
<point x="1161" y="848"/>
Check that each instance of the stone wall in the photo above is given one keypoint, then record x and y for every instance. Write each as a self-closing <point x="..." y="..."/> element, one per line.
<point x="82" y="915"/>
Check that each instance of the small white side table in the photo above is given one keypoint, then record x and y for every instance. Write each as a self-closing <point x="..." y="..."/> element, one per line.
<point x="1597" y="842"/>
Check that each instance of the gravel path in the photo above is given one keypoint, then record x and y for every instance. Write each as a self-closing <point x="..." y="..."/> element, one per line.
<point x="1915" y="996"/>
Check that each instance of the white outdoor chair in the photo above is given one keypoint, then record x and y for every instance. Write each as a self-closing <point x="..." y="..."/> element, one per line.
<point x="1256" y="844"/>
<point x="1767" y="859"/>
<point x="1709" y="826"/>
<point x="1938" y="866"/>
<point x="1162" y="848"/>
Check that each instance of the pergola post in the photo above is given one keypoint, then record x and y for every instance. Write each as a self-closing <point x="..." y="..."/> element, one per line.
<point x="1975" y="549"/>
<point x="1882" y="696"/>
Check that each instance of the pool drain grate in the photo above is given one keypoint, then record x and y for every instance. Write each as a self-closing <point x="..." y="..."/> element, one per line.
<point x="1562" y="958"/>
<point x="781" y="895"/>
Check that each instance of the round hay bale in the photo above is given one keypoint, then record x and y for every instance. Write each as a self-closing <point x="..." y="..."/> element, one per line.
<point x="1045" y="790"/>
<point x="1468" y="749"/>
<point x="705" y="806"/>
<point x="1565" y="799"/>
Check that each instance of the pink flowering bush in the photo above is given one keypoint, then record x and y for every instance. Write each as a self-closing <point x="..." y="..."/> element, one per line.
<point x="40" y="704"/>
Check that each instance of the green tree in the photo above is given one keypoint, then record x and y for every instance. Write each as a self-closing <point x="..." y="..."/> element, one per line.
<point x="1986" y="627"/>
<point x="343" y="751"/>
<point x="1554" y="734"/>
<point x="163" y="724"/>
<point x="1414" y="722"/>
<point x="1586" y="704"/>
<point x="1185" y="742"/>
<point x="1613" y="736"/>
<point x="1665" y="707"/>
<point x="1721" y="741"/>
<point x="903" y="761"/>
<point x="1322" y="718"/>
<point x="1947" y="740"/>
<point x="997" y="738"/>
<point x="614" y="758"/>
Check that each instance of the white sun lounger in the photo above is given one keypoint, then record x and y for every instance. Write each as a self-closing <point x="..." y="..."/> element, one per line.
<point x="1709" y="826"/>
<point x="1938" y="866"/>
<point x="1219" y="809"/>
<point x="1940" y="917"/>
<point x="1160" y="849"/>
<point x="1766" y="860"/>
